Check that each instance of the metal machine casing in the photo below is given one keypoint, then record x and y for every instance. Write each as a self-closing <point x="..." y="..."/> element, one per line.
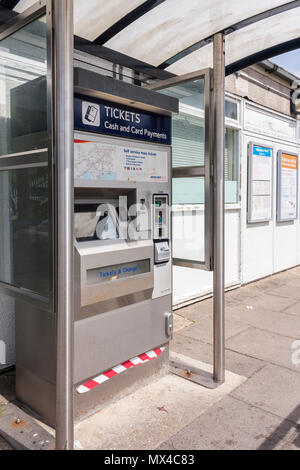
<point x="142" y="300"/>
<point x="121" y="316"/>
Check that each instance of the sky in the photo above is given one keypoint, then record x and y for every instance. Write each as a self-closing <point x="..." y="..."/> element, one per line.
<point x="289" y="61"/>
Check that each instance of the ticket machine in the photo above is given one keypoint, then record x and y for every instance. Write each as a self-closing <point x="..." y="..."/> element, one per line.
<point x="122" y="251"/>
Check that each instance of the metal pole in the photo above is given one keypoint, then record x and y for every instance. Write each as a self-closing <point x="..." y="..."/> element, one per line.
<point x="219" y="137"/>
<point x="63" y="89"/>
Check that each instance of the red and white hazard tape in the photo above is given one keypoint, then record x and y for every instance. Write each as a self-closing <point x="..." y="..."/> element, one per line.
<point x="135" y="361"/>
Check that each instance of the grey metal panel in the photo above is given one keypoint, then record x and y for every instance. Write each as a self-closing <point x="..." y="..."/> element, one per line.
<point x="25" y="160"/>
<point x="36" y="340"/>
<point x="128" y="381"/>
<point x="112" y="304"/>
<point x="116" y="254"/>
<point x="106" y="340"/>
<point x="189" y="172"/>
<point x="37" y="393"/>
<point x="92" y="84"/>
<point x="178" y="79"/>
<point x="186" y="263"/>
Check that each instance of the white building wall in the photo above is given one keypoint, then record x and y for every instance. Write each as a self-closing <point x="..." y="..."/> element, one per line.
<point x="272" y="246"/>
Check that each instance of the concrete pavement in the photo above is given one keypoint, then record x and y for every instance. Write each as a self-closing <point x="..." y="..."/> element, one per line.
<point x="262" y="325"/>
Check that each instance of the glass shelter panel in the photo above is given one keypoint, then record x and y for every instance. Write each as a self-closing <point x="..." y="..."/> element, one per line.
<point x="24" y="244"/>
<point x="188" y="218"/>
<point x="191" y="217"/>
<point x="25" y="175"/>
<point x="23" y="90"/>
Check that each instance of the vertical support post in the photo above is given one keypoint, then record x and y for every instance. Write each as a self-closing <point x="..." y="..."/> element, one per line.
<point x="63" y="89"/>
<point x="219" y="138"/>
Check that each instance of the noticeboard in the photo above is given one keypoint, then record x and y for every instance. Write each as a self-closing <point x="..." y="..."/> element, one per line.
<point x="287" y="183"/>
<point x="260" y="169"/>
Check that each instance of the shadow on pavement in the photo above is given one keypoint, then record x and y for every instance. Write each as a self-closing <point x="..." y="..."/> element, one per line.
<point x="287" y="425"/>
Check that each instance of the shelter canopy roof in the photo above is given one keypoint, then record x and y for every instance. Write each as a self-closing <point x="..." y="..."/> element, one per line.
<point x="176" y="35"/>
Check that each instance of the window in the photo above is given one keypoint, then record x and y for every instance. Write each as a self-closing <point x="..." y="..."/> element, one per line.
<point x="188" y="150"/>
<point x="187" y="140"/>
<point x="231" y="110"/>
<point x="231" y="166"/>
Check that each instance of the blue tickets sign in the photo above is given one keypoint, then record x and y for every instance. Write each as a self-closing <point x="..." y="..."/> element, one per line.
<point x="116" y="120"/>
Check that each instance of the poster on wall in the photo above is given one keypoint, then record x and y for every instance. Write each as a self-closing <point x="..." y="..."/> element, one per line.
<point x="287" y="193"/>
<point x="260" y="168"/>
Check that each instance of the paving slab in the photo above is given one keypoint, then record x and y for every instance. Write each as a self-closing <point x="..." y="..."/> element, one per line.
<point x="180" y="323"/>
<point x="265" y="319"/>
<point x="235" y="362"/>
<point x="271" y="302"/>
<point x="264" y="345"/>
<point x="243" y="294"/>
<point x="203" y="329"/>
<point x="144" y="419"/>
<point x="293" y="309"/>
<point x="196" y="311"/>
<point x="274" y="281"/>
<point x="4" y="445"/>
<point x="234" y="425"/>
<point x="294" y="281"/>
<point x="273" y="389"/>
<point x="294" y="271"/>
<point x="288" y="290"/>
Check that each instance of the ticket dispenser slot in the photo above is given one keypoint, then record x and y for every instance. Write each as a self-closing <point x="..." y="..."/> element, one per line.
<point x="103" y="214"/>
<point x="113" y="269"/>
